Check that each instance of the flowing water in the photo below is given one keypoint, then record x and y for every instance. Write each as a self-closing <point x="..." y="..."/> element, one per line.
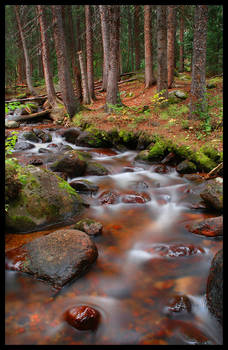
<point x="138" y="269"/>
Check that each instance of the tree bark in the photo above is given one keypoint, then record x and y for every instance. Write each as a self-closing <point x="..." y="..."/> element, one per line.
<point x="85" y="88"/>
<point x="105" y="40"/>
<point x="112" y="96"/>
<point x="171" y="43"/>
<point x="25" y="50"/>
<point x="162" y="83"/>
<point x="89" y="51"/>
<point x="46" y="58"/>
<point x="149" y="79"/>
<point x="198" y="101"/>
<point x="136" y="32"/>
<point x="69" y="99"/>
<point x="181" y="54"/>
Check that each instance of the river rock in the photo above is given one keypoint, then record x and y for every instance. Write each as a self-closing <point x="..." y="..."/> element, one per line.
<point x="186" y="166"/>
<point x="43" y="135"/>
<point x="31" y="136"/>
<point x="179" y="304"/>
<point x="94" y="168"/>
<point x="109" y="197"/>
<point x="215" y="286"/>
<point x="56" y="258"/>
<point x="89" y="139"/>
<point x="213" y="194"/>
<point x="83" y="317"/>
<point x="84" y="186"/>
<point x="89" y="226"/>
<point x="44" y="199"/>
<point x="211" y="227"/>
<point x="11" y="124"/>
<point x="70" y="164"/>
<point x="176" y="250"/>
<point x="71" y="134"/>
<point x="23" y="146"/>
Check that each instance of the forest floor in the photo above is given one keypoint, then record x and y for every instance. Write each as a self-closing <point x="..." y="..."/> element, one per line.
<point x="170" y="121"/>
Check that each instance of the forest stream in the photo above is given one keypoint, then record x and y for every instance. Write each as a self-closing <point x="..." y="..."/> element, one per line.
<point x="146" y="258"/>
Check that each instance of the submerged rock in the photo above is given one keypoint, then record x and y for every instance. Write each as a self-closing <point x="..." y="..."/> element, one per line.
<point x="83" y="317"/>
<point x="179" y="304"/>
<point x="56" y="258"/>
<point x="44" y="199"/>
<point x="94" y="168"/>
<point x="215" y="286"/>
<point x="84" y="186"/>
<point x="210" y="227"/>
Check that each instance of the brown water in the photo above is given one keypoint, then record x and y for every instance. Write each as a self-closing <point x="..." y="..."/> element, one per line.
<point x="133" y="279"/>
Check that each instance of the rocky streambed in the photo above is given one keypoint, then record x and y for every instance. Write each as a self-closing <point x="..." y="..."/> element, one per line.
<point x="112" y="238"/>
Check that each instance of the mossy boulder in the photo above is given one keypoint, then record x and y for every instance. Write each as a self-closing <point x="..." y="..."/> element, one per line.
<point x="94" y="168"/>
<point x="71" y="134"/>
<point x="43" y="199"/>
<point x="158" y="151"/>
<point x="84" y="186"/>
<point x="93" y="137"/>
<point x="128" y="138"/>
<point x="186" y="167"/>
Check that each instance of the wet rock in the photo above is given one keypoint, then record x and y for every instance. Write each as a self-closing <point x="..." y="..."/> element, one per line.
<point x="23" y="146"/>
<point x="213" y="194"/>
<point x="177" y="250"/>
<point x="94" y="168"/>
<point x="11" y="124"/>
<point x="179" y="304"/>
<point x="71" y="134"/>
<point x="56" y="258"/>
<point x="44" y="136"/>
<point x="35" y="161"/>
<point x="131" y="198"/>
<point x="70" y="164"/>
<point x="89" y="226"/>
<point x="44" y="150"/>
<point x="84" y="186"/>
<point x="31" y="136"/>
<point x="109" y="197"/>
<point x="211" y="227"/>
<point x="64" y="148"/>
<point x="186" y="167"/>
<point x="161" y="169"/>
<point x="214" y="292"/>
<point x="44" y="199"/>
<point x="83" y="317"/>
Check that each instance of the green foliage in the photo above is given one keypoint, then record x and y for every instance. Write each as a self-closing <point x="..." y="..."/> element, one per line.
<point x="10" y="143"/>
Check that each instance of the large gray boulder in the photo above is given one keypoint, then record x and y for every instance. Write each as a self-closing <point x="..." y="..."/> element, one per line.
<point x="43" y="199"/>
<point x="56" y="258"/>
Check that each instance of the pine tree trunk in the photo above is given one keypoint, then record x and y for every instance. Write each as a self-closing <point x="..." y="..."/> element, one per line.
<point x="181" y="55"/>
<point x="149" y="79"/>
<point x="46" y="58"/>
<point x="171" y="43"/>
<point x="112" y="96"/>
<point x="89" y="51"/>
<point x="136" y="33"/>
<point x="105" y="40"/>
<point x="198" y="101"/>
<point x="25" y="50"/>
<point x="85" y="88"/>
<point x="69" y="99"/>
<point x="162" y="83"/>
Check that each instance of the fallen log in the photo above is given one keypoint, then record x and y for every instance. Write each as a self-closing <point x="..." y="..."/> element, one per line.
<point x="37" y="98"/>
<point x="21" y="118"/>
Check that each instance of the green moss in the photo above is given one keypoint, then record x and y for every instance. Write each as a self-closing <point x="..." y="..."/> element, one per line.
<point x="157" y="151"/>
<point x="211" y="152"/>
<point x="23" y="221"/>
<point x="202" y="161"/>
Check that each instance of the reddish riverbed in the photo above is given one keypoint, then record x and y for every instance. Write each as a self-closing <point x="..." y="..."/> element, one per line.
<point x="143" y="261"/>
